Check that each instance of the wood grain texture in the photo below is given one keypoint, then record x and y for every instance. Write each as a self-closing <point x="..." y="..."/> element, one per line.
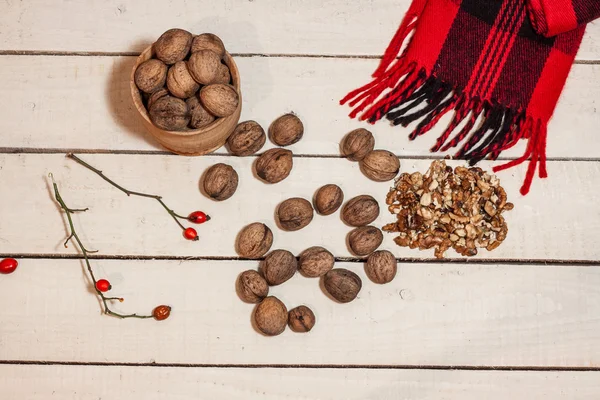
<point x="557" y="220"/>
<point x="85" y="103"/>
<point x="431" y="314"/>
<point x="68" y="383"/>
<point x="287" y="27"/>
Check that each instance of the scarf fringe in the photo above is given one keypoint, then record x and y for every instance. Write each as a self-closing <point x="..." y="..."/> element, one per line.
<point x="409" y="87"/>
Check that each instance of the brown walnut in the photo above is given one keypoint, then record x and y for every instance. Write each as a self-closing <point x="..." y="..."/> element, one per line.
<point x="220" y="100"/>
<point x="279" y="266"/>
<point x="204" y="66"/>
<point x="150" y="75"/>
<point x="173" y="45"/>
<point x="360" y="211"/>
<point x="381" y="267"/>
<point x="274" y="165"/>
<point x="365" y="240"/>
<point x="223" y="75"/>
<point x="251" y="287"/>
<point x="208" y="41"/>
<point x="357" y="144"/>
<point x="380" y="165"/>
<point x="342" y="284"/>
<point x="247" y="138"/>
<point x="254" y="241"/>
<point x="286" y="130"/>
<point x="180" y="82"/>
<point x="170" y="113"/>
<point x="271" y="316"/>
<point x="162" y="92"/>
<point x="328" y="199"/>
<point x="220" y="181"/>
<point x="315" y="261"/>
<point x="301" y="319"/>
<point x="200" y="117"/>
<point x="294" y="214"/>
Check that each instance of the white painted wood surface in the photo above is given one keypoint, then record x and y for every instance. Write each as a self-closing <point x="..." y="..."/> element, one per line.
<point x="85" y="103"/>
<point x="246" y="26"/>
<point x="542" y="318"/>
<point x="432" y="314"/>
<point x="75" y="382"/>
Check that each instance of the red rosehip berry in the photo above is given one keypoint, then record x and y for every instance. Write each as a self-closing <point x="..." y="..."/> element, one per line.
<point x="8" y="265"/>
<point x="190" y="234"/>
<point x="103" y="285"/>
<point x="198" y="217"/>
<point x="161" y="313"/>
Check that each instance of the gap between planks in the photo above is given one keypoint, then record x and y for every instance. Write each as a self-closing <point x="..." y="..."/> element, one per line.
<point x="408" y="260"/>
<point x="243" y="55"/>
<point x="307" y="366"/>
<point x="32" y="150"/>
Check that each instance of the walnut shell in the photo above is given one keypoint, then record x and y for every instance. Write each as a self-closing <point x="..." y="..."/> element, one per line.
<point x="380" y="165"/>
<point x="220" y="181"/>
<point x="286" y="130"/>
<point x="223" y="75"/>
<point x="360" y="210"/>
<point x="381" y="267"/>
<point x="294" y="214"/>
<point x="271" y="316"/>
<point x="342" y="284"/>
<point x="254" y="241"/>
<point x="274" y="165"/>
<point x="315" y="261"/>
<point x="180" y="82"/>
<point x="251" y="287"/>
<point x="150" y="75"/>
<point x="301" y="319"/>
<point x="173" y="45"/>
<point x="204" y="66"/>
<point x="220" y="100"/>
<point x="357" y="144"/>
<point x="365" y="240"/>
<point x="170" y="113"/>
<point x="279" y="266"/>
<point x="247" y="138"/>
<point x="162" y="92"/>
<point x="208" y="41"/>
<point x="200" y="117"/>
<point x="328" y="199"/>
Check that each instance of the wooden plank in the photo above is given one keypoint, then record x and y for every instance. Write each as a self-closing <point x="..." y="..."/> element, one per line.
<point x="85" y="103"/>
<point x="292" y="27"/>
<point x="431" y="314"/>
<point x="67" y="382"/>
<point x="557" y="220"/>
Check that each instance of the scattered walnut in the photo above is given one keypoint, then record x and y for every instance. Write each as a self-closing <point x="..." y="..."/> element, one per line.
<point x="254" y="241"/>
<point x="315" y="261"/>
<point x="342" y="284"/>
<point x="381" y="267"/>
<point x="301" y="319"/>
<point x="220" y="181"/>
<point x="150" y="75"/>
<point x="279" y="266"/>
<point x="446" y="208"/>
<point x="173" y="45"/>
<point x="247" y="138"/>
<point x="294" y="214"/>
<point x="274" y="165"/>
<point x="286" y="130"/>
<point x="208" y="41"/>
<point x="328" y="199"/>
<point x="357" y="144"/>
<point x="271" y="316"/>
<point x="251" y="287"/>
<point x="360" y="211"/>
<point x="365" y="240"/>
<point x="380" y="165"/>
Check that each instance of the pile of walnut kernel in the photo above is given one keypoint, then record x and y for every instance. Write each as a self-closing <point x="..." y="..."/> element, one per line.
<point x="460" y="208"/>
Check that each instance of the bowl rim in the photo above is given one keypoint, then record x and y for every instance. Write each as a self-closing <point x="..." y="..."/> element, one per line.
<point x="136" y="95"/>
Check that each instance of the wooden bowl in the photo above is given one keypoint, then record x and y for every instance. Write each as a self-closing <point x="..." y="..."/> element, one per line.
<point x="190" y="142"/>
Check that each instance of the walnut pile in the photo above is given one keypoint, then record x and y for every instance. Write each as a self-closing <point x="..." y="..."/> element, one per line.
<point x="460" y="208"/>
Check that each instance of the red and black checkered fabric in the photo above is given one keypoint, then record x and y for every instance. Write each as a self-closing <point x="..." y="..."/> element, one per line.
<point x="484" y="61"/>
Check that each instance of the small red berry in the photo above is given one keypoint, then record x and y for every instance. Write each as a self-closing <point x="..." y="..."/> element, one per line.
<point x="161" y="313"/>
<point x="190" y="234"/>
<point x="198" y="217"/>
<point x="8" y="266"/>
<point x="103" y="285"/>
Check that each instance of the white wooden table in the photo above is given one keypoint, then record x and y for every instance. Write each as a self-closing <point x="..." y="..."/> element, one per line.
<point x="524" y="324"/>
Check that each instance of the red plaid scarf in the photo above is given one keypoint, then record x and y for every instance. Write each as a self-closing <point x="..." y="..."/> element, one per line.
<point x="501" y="62"/>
